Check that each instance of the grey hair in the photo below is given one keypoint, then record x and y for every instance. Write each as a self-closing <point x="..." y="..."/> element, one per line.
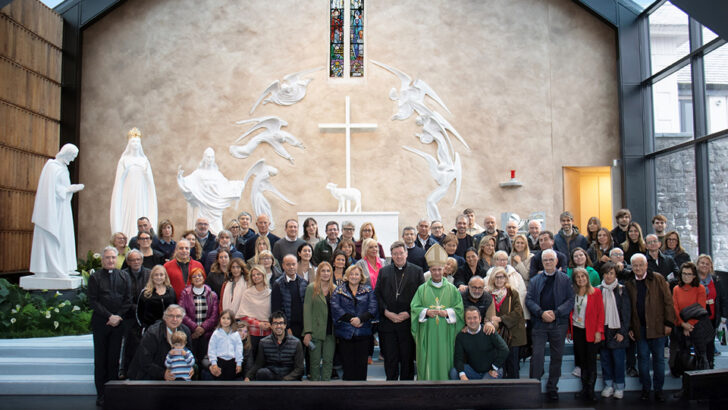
<point x="550" y="252"/>
<point x="502" y="253"/>
<point x="347" y="223"/>
<point x="174" y="306"/>
<point x="637" y="256"/>
<point x="246" y="214"/>
<point x="133" y="251"/>
<point x="225" y="232"/>
<point x="112" y="249"/>
<point x="614" y="250"/>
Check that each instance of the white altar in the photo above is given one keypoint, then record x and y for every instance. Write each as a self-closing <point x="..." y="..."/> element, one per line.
<point x="386" y="224"/>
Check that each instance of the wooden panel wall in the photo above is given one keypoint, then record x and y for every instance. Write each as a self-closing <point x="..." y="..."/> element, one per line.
<point x="31" y="37"/>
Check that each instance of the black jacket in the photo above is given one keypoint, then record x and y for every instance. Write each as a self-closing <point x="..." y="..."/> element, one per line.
<point x="148" y="362"/>
<point x="105" y="300"/>
<point x="386" y="292"/>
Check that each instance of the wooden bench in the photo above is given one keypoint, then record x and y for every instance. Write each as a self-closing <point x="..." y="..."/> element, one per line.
<point x="199" y="395"/>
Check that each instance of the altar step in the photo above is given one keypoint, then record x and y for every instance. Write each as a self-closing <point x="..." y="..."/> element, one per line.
<point x="47" y="366"/>
<point x="64" y="366"/>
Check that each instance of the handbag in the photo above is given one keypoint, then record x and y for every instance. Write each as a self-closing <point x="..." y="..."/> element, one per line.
<point x="503" y="331"/>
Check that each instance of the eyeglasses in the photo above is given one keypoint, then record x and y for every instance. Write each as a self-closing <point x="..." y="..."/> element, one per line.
<point x="477" y="287"/>
<point x="672" y="239"/>
<point x="144" y="239"/>
<point x="175" y="316"/>
<point x="688" y="274"/>
<point x="499" y="277"/>
<point x="348" y="229"/>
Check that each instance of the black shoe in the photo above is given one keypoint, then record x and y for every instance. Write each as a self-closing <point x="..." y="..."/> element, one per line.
<point x="645" y="395"/>
<point x="632" y="372"/>
<point x="552" y="396"/>
<point x="660" y="396"/>
<point x="678" y="395"/>
<point x="100" y="401"/>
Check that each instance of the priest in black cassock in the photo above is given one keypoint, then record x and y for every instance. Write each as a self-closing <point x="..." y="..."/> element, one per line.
<point x="396" y="286"/>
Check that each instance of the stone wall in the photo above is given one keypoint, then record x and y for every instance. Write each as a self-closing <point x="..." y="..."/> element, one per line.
<point x="532" y="86"/>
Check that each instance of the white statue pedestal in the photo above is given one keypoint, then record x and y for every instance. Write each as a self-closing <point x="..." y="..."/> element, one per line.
<point x="43" y="282"/>
<point x="386" y="224"/>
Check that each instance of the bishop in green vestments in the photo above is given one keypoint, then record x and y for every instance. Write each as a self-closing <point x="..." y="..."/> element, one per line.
<point x="437" y="317"/>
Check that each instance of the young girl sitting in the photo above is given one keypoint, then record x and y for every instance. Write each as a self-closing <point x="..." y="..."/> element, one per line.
<point x="225" y="350"/>
<point x="248" y="358"/>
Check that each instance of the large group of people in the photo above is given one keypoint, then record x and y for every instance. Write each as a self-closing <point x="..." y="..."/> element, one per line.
<point x="249" y="305"/>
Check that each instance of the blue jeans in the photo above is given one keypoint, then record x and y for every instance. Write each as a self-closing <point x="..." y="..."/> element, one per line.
<point x="555" y="334"/>
<point x="656" y="348"/>
<point x="613" y="361"/>
<point x="473" y="375"/>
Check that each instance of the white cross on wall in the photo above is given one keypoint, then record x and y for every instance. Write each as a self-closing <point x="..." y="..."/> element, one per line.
<point x="348" y="127"/>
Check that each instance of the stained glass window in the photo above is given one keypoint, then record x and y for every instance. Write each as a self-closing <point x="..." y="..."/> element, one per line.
<point x="336" y="67"/>
<point x="356" y="51"/>
<point x="346" y="16"/>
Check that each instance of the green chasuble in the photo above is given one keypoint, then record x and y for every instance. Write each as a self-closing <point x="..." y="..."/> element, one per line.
<point x="435" y="337"/>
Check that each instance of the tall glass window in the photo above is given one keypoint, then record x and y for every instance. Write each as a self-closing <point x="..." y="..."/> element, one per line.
<point x="336" y="42"/>
<point x="718" y="171"/>
<point x="675" y="187"/>
<point x="346" y="38"/>
<point x="669" y="36"/>
<point x="672" y="103"/>
<point x="716" y="89"/>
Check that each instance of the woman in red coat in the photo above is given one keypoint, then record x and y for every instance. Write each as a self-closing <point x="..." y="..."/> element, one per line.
<point x="586" y="329"/>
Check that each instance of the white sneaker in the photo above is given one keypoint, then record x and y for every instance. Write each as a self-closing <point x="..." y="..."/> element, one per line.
<point x="608" y="391"/>
<point x="576" y="372"/>
<point x="618" y="394"/>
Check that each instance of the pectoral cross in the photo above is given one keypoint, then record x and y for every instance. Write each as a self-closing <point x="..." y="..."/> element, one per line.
<point x="438" y="306"/>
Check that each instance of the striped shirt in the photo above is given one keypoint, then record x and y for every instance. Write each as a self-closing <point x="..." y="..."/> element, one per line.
<point x="180" y="364"/>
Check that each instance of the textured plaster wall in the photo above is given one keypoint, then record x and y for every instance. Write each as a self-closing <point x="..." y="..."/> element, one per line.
<point x="531" y="86"/>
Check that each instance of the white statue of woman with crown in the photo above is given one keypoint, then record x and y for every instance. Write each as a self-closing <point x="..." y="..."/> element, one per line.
<point x="134" y="194"/>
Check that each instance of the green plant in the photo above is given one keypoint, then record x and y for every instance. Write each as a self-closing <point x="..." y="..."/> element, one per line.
<point x="23" y="314"/>
<point x="88" y="266"/>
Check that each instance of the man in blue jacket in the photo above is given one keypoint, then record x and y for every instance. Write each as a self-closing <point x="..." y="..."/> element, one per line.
<point x="569" y="237"/>
<point x="550" y="299"/>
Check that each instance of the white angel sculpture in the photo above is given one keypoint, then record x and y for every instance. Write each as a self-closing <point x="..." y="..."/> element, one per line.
<point x="208" y="191"/>
<point x="443" y="174"/>
<point x="260" y="185"/>
<point x="134" y="194"/>
<point x="411" y="93"/>
<point x="287" y="92"/>
<point x="272" y="134"/>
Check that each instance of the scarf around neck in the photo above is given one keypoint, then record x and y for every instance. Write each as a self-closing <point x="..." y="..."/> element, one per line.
<point x="611" y="313"/>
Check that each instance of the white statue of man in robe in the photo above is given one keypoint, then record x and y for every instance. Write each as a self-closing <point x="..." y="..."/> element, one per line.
<point x="134" y="194"/>
<point x="208" y="191"/>
<point x="53" y="254"/>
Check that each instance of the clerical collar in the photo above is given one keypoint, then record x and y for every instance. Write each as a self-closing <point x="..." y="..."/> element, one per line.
<point x="110" y="270"/>
<point x="400" y="269"/>
<point x="477" y="331"/>
<point x="438" y="284"/>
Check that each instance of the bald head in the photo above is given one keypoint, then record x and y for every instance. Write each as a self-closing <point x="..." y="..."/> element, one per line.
<point x="262" y="222"/>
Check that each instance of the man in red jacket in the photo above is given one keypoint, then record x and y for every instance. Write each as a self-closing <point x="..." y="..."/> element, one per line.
<point x="179" y="268"/>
